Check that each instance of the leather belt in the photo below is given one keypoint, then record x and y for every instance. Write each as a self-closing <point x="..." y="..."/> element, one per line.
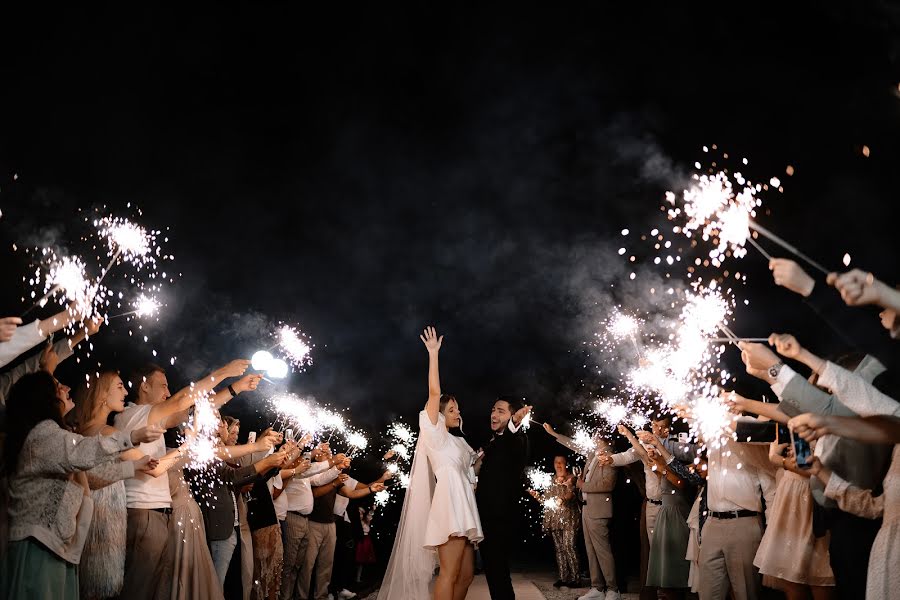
<point x="656" y="502"/>
<point x="165" y="511"/>
<point x="733" y="514"/>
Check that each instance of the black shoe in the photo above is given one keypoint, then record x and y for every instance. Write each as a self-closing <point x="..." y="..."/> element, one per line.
<point x="559" y="583"/>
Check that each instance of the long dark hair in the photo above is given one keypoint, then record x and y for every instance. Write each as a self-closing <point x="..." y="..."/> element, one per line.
<point x="31" y="400"/>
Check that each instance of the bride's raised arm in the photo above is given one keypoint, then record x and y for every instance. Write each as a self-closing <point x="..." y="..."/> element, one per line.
<point x="433" y="345"/>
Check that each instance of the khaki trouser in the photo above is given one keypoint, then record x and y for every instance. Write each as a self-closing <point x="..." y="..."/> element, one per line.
<point x="149" y="557"/>
<point x="601" y="563"/>
<point x="726" y="558"/>
<point x="320" y="544"/>
<point x="296" y="528"/>
<point x="652" y="513"/>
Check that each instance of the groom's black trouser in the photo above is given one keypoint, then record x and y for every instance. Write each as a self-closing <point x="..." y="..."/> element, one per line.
<point x="499" y="534"/>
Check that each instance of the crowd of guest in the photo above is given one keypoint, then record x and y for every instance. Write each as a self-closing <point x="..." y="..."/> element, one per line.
<point x="812" y="514"/>
<point x="102" y="496"/>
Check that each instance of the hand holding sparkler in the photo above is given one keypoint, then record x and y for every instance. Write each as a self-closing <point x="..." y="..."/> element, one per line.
<point x="147" y="434"/>
<point x="786" y="345"/>
<point x="341" y="462"/>
<point x="859" y="288"/>
<point x="247" y="383"/>
<point x="810" y="426"/>
<point x="520" y="415"/>
<point x="758" y="360"/>
<point x="235" y="368"/>
<point x="8" y="326"/>
<point x="788" y="274"/>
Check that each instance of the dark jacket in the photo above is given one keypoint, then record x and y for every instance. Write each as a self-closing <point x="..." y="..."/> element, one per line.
<point x="213" y="491"/>
<point x="501" y="479"/>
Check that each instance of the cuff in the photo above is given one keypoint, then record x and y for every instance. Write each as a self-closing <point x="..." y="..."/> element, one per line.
<point x="123" y="438"/>
<point x="513" y="427"/>
<point x="829" y="375"/>
<point x="836" y="486"/>
<point x="784" y="377"/>
<point x="671" y="458"/>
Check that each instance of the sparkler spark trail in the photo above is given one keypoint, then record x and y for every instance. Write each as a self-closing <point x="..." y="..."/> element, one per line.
<point x="552" y="503"/>
<point x="295" y="346"/>
<point x="584" y="441"/>
<point x="205" y="425"/>
<point x="539" y="480"/>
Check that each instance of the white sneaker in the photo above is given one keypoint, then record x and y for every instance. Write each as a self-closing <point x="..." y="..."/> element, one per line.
<point x="346" y="595"/>
<point x="593" y="594"/>
<point x="613" y="595"/>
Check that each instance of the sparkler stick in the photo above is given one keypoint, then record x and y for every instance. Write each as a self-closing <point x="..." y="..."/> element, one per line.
<point x="793" y="249"/>
<point x="109" y="266"/>
<point x="739" y="339"/>
<point x="42" y="301"/>
<point x="730" y="334"/>
<point x="758" y="247"/>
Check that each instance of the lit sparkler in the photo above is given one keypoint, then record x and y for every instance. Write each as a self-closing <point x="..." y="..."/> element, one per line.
<point x="539" y="480"/>
<point x="552" y="503"/>
<point x="295" y="345"/>
<point x="584" y="441"/>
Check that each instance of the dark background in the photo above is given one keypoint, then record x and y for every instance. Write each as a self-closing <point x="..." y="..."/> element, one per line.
<point x="367" y="172"/>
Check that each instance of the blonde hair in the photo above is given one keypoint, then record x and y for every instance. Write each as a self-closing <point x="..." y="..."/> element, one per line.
<point x="90" y="395"/>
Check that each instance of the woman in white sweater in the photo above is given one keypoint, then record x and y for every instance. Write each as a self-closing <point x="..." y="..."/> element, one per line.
<point x="50" y="506"/>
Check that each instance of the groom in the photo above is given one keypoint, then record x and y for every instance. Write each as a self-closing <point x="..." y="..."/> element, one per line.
<point x="500" y="485"/>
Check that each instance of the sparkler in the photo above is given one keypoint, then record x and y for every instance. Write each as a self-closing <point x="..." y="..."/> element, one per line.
<point x="622" y="325"/>
<point x="128" y="241"/>
<point x="295" y="346"/>
<point x="68" y="274"/>
<point x="552" y="503"/>
<point x="584" y="441"/>
<point x="205" y="425"/>
<point x="357" y="442"/>
<point x="145" y="306"/>
<point x="383" y="497"/>
<point x="714" y="209"/>
<point x="539" y="480"/>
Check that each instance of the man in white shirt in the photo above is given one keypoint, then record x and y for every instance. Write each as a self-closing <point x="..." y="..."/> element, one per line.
<point x="344" y="558"/>
<point x="299" y="503"/>
<point x="739" y="476"/>
<point x="148" y="551"/>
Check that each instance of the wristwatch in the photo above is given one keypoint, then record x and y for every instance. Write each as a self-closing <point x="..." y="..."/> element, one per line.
<point x="775" y="369"/>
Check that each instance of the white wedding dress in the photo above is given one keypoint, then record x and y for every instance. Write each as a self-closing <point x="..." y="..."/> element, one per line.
<point x="439" y="503"/>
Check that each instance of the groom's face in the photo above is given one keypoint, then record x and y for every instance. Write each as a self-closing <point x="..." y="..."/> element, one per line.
<point x="500" y="415"/>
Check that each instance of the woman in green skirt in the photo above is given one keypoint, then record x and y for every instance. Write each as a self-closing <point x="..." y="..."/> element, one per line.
<point x="50" y="506"/>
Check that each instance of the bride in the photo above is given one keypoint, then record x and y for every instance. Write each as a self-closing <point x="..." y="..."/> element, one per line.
<point x="439" y="522"/>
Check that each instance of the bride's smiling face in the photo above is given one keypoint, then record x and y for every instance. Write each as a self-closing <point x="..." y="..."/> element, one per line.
<point x="451" y="414"/>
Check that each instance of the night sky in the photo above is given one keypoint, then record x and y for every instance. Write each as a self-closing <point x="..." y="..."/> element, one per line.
<point x="368" y="172"/>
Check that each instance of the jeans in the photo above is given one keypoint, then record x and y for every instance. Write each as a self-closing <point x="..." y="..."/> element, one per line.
<point x="222" y="551"/>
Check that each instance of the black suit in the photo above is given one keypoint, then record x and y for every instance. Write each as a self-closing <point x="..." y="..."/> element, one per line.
<point x="500" y="486"/>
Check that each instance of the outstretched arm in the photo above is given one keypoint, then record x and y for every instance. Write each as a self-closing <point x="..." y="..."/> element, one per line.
<point x="763" y="409"/>
<point x="871" y="430"/>
<point x="858" y="288"/>
<point x="168" y="410"/>
<point x="433" y="345"/>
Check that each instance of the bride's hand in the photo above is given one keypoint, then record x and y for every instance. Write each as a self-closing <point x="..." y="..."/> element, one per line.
<point x="431" y="340"/>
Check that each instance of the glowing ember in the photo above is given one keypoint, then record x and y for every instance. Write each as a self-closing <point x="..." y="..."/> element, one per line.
<point x="124" y="237"/>
<point x="357" y="440"/>
<point x="145" y="306"/>
<point x="382" y="497"/>
<point x="551" y="503"/>
<point x="622" y="325"/>
<point x="539" y="480"/>
<point x="584" y="441"/>
<point x="846" y="260"/>
<point x="295" y="346"/>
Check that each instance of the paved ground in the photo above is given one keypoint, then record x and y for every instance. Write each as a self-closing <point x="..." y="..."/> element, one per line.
<point x="528" y="586"/>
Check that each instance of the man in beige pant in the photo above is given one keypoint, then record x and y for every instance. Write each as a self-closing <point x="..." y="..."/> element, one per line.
<point x="739" y="475"/>
<point x="596" y="487"/>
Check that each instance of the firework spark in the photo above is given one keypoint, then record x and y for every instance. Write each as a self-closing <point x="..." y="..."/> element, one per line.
<point x="539" y="480"/>
<point x="295" y="345"/>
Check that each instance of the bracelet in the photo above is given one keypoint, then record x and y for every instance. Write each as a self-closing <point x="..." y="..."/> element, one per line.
<point x="231" y="389"/>
<point x="782" y="462"/>
<point x="370" y="490"/>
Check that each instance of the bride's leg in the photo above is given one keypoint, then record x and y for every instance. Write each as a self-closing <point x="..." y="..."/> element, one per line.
<point x="450" y="555"/>
<point x="466" y="573"/>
